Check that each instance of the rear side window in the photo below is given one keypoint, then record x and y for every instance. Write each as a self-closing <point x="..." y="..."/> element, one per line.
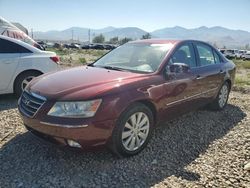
<point x="216" y="57"/>
<point x="205" y="53"/>
<point x="11" y="47"/>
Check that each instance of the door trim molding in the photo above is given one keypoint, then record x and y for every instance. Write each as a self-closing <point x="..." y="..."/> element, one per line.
<point x="190" y="97"/>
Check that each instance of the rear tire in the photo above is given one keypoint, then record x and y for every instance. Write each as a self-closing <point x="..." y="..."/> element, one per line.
<point x="22" y="80"/>
<point x="221" y="100"/>
<point x="132" y="131"/>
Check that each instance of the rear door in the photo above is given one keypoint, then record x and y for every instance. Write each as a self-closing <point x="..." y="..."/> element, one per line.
<point x="210" y="71"/>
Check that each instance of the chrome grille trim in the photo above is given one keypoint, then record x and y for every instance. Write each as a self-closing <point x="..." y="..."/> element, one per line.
<point x="30" y="103"/>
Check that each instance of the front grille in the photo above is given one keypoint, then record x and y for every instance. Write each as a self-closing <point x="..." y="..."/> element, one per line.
<point x="30" y="103"/>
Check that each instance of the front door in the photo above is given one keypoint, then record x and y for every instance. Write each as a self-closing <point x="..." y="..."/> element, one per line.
<point x="181" y="88"/>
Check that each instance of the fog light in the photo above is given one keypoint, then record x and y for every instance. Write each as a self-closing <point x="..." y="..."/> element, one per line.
<point x="73" y="143"/>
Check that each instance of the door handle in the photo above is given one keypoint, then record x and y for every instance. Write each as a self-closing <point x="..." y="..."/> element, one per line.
<point x="198" y="77"/>
<point x="221" y="72"/>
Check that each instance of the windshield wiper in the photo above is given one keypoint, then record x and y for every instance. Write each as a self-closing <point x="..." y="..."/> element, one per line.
<point x="113" y="68"/>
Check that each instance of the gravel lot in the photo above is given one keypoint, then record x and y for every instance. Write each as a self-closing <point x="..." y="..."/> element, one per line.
<point x="200" y="149"/>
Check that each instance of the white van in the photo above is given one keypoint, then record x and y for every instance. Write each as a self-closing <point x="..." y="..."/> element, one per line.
<point x="232" y="53"/>
<point x="242" y="53"/>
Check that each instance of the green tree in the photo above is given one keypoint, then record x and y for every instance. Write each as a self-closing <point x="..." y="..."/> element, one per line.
<point x="99" y="39"/>
<point x="146" y="36"/>
<point x="114" y="40"/>
<point x="124" y="40"/>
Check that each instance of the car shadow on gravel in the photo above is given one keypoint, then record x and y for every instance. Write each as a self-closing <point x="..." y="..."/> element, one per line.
<point x="26" y="162"/>
<point x="8" y="101"/>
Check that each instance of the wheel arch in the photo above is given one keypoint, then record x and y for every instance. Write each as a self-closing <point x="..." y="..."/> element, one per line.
<point x="23" y="72"/>
<point x="229" y="83"/>
<point x="150" y="105"/>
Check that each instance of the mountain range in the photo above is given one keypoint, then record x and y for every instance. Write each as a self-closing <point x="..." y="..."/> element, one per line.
<point x="217" y="35"/>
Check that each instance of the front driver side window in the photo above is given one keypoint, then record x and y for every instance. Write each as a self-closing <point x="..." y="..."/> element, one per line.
<point x="184" y="54"/>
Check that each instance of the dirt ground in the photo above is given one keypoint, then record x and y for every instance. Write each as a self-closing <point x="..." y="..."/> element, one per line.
<point x="200" y="149"/>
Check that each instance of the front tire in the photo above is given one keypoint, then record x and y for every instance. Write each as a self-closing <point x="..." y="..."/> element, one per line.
<point x="221" y="100"/>
<point x="22" y="81"/>
<point x="133" y="130"/>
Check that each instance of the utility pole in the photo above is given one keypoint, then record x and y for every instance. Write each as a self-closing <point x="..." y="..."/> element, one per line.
<point x="72" y="32"/>
<point x="32" y="33"/>
<point x="89" y="35"/>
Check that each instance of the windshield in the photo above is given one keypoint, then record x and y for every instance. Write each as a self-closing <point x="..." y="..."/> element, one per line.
<point x="135" y="57"/>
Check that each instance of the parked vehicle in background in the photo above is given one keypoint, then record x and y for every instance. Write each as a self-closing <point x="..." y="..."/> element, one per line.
<point x="9" y="30"/>
<point x="20" y="63"/>
<point x="246" y="56"/>
<point x="242" y="53"/>
<point x="50" y="44"/>
<point x="109" y="46"/>
<point x="231" y="53"/>
<point x="97" y="46"/>
<point x="76" y="46"/>
<point x="222" y="51"/>
<point x="57" y="45"/>
<point x="72" y="45"/>
<point x="85" y="46"/>
<point x="118" y="100"/>
<point x="43" y="44"/>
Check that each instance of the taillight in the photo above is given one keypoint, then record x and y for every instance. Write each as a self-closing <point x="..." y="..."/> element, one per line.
<point x="56" y="59"/>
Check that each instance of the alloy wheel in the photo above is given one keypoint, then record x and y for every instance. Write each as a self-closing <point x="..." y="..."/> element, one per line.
<point x="223" y="96"/>
<point x="26" y="81"/>
<point x="136" y="131"/>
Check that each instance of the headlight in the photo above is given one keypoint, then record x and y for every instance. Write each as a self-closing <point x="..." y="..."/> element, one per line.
<point x="77" y="109"/>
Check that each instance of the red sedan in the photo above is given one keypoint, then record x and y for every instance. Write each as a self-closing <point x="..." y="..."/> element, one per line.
<point x="119" y="99"/>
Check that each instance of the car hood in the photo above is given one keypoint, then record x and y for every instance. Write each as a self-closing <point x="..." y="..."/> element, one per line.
<point x="81" y="82"/>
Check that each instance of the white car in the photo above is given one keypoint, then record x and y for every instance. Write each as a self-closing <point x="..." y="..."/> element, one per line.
<point x="21" y="62"/>
<point x="242" y="53"/>
<point x="231" y="53"/>
<point x="246" y="56"/>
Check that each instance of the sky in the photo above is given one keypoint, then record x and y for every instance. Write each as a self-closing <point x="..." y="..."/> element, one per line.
<point x="44" y="15"/>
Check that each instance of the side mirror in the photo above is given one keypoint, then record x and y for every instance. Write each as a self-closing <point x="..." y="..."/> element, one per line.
<point x="174" y="69"/>
<point x="179" y="68"/>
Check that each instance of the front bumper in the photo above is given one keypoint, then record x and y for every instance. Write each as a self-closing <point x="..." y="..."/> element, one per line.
<point x="87" y="134"/>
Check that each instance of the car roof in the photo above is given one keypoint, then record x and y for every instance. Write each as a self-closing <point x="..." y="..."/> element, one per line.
<point x="21" y="43"/>
<point x="165" y="41"/>
<point x="156" y="41"/>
